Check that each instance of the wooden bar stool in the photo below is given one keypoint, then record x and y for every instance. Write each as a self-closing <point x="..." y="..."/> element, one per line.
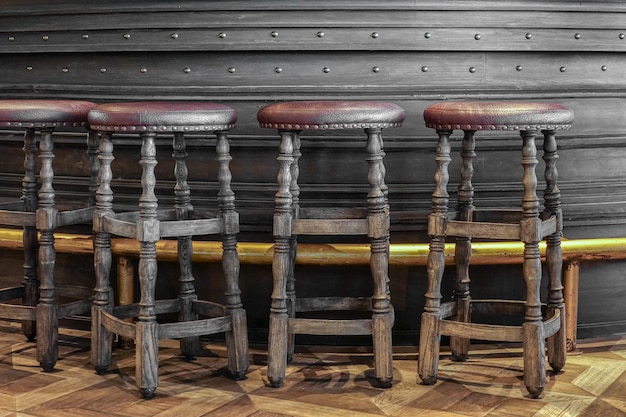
<point x="530" y="225"/>
<point x="290" y="118"/>
<point x="196" y="317"/>
<point x="37" y="212"/>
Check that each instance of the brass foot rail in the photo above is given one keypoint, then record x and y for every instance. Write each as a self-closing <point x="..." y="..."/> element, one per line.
<point x="261" y="253"/>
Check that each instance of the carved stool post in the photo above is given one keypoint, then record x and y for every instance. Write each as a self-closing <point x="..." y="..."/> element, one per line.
<point x="290" y="119"/>
<point x="37" y="212"/>
<point x="531" y="226"/>
<point x="196" y="317"/>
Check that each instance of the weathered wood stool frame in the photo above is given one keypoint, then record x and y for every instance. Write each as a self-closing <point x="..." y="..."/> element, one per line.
<point x="530" y="226"/>
<point x="151" y="224"/>
<point x="37" y="212"/>
<point x="290" y="118"/>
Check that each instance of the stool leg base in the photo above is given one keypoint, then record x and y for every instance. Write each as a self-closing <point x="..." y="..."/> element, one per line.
<point x="101" y="342"/>
<point x="533" y="343"/>
<point x="383" y="358"/>
<point x="428" y="361"/>
<point x="47" y="336"/>
<point x="146" y="358"/>
<point x="237" y="345"/>
<point x="557" y="344"/>
<point x="277" y="350"/>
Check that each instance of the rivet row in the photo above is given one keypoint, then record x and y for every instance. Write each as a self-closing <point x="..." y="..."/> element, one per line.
<point x="319" y="34"/>
<point x="326" y="70"/>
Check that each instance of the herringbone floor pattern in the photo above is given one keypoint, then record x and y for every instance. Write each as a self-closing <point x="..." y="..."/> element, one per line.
<point x="318" y="384"/>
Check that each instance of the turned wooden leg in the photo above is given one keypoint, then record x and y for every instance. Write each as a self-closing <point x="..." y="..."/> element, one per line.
<point x="47" y="311"/>
<point x="378" y="232"/>
<point x="533" y="338"/>
<point x="557" y="344"/>
<point x="189" y="346"/>
<point x="237" y="338"/>
<point x="277" y="349"/>
<point x="30" y="281"/>
<point x="101" y="338"/>
<point x="294" y="189"/>
<point x="463" y="249"/>
<point x="147" y="344"/>
<point x="429" y="332"/>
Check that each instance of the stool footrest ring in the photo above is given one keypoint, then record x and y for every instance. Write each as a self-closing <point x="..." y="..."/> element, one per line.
<point x="219" y="320"/>
<point x="492" y="332"/>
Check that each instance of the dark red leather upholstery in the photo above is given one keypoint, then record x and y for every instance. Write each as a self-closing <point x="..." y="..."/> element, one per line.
<point x="498" y="115"/>
<point x="44" y="113"/>
<point x="303" y="115"/>
<point x="162" y="116"/>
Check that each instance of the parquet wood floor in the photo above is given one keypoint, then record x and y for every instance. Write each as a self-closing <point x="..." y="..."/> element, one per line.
<point x="319" y="384"/>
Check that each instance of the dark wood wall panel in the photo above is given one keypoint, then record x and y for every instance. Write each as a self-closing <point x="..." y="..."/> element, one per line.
<point x="414" y="53"/>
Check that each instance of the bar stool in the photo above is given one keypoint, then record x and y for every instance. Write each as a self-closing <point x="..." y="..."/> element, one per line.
<point x="195" y="317"/>
<point x="529" y="225"/>
<point x="37" y="211"/>
<point x="290" y="118"/>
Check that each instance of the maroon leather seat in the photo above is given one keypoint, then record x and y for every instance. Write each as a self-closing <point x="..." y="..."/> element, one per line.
<point x="44" y="113"/>
<point x="290" y="118"/>
<point x="541" y="332"/>
<point x="37" y="213"/>
<point x="162" y="116"/>
<point x="495" y="115"/>
<point x="305" y="115"/>
<point x="147" y="120"/>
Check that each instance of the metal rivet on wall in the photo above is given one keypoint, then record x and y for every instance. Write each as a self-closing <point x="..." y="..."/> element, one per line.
<point x="320" y="34"/>
<point x="45" y="37"/>
<point x="577" y="36"/>
<point x="562" y="69"/>
<point x="603" y="68"/>
<point x="65" y="70"/>
<point x="375" y="69"/>
<point x="278" y="70"/>
<point x="519" y="68"/>
<point x="622" y="36"/>
<point x="477" y="36"/>
<point x="186" y="70"/>
<point x="374" y="35"/>
<point x="427" y="35"/>
<point x="85" y="36"/>
<point x="326" y="70"/>
<point x="424" y="68"/>
<point x="11" y="38"/>
<point x="29" y="68"/>
<point x="126" y="36"/>
<point x="472" y="70"/>
<point x="274" y="34"/>
<point x="222" y="35"/>
<point x="103" y="70"/>
<point x="231" y="70"/>
<point x="174" y="36"/>
<point x="529" y="35"/>
<point x="143" y="70"/>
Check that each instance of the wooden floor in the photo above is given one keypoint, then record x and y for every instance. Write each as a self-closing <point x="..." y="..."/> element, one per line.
<point x="318" y="384"/>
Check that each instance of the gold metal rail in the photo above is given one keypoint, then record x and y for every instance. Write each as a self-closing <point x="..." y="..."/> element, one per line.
<point x="261" y="253"/>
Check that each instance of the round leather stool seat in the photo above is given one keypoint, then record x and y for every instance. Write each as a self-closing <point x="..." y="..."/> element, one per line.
<point x="163" y="116"/>
<point x="44" y="113"/>
<point x="496" y="115"/>
<point x="39" y="214"/>
<point x="307" y="115"/>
